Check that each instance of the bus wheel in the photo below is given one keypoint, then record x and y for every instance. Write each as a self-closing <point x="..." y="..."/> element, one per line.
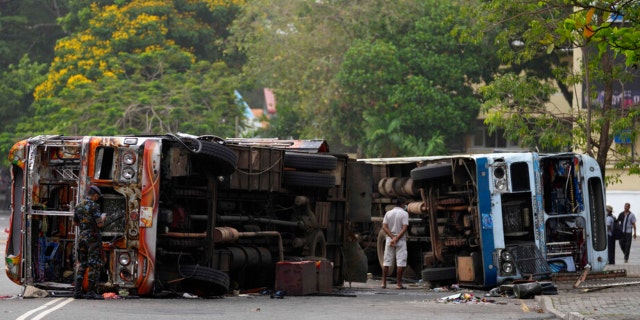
<point x="204" y="281"/>
<point x="431" y="172"/>
<point x="309" y="179"/>
<point x="306" y="161"/>
<point x="381" y="244"/>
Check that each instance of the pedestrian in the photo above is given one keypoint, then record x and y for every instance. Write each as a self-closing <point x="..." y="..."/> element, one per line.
<point x="88" y="245"/>
<point x="611" y="241"/>
<point x="395" y="224"/>
<point x="628" y="220"/>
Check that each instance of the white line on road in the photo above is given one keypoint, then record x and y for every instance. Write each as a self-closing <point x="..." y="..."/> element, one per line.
<point x="45" y="306"/>
<point x="46" y="312"/>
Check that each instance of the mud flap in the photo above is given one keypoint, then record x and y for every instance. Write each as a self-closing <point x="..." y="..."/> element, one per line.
<point x="355" y="262"/>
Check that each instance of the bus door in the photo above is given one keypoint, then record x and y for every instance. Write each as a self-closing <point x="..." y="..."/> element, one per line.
<point x="573" y="202"/>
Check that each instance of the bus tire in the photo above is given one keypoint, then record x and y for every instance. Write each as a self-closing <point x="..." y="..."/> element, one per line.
<point x="204" y="281"/>
<point x="431" y="172"/>
<point x="438" y="274"/>
<point x="222" y="159"/>
<point x="311" y="162"/>
<point x="380" y="246"/>
<point x="309" y="179"/>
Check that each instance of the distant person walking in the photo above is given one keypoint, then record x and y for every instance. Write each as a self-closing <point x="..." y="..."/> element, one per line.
<point x="628" y="220"/>
<point x="611" y="241"/>
<point x="395" y="224"/>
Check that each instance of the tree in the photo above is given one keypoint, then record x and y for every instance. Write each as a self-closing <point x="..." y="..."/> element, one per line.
<point x="201" y="26"/>
<point x="28" y="27"/>
<point x="16" y="93"/>
<point x="125" y="74"/>
<point x="337" y="65"/>
<point x="199" y="100"/>
<point x="519" y="103"/>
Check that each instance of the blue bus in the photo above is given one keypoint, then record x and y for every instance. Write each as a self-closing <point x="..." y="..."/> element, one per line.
<point x="487" y="219"/>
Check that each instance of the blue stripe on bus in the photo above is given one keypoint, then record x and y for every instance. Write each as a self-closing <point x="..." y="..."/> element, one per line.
<point x="486" y="231"/>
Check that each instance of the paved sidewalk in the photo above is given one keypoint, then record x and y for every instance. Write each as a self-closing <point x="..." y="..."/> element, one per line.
<point x="613" y="303"/>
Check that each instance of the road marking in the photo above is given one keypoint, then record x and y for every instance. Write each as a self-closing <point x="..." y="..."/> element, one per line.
<point x="44" y="307"/>
<point x="524" y="307"/>
<point x="60" y="305"/>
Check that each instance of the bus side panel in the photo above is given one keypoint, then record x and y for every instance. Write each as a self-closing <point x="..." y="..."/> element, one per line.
<point x="149" y="204"/>
<point x="486" y="222"/>
<point x="14" y="251"/>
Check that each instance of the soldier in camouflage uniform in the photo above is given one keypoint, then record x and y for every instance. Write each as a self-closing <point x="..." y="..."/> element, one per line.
<point x="89" y="220"/>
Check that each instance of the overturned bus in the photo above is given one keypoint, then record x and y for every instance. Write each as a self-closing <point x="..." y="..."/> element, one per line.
<point x="204" y="215"/>
<point x="184" y="213"/>
<point x="486" y="219"/>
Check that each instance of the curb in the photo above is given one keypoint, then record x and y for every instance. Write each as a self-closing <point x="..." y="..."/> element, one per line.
<point x="547" y="305"/>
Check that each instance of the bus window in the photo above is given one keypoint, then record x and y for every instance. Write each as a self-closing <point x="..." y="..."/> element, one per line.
<point x="520" y="176"/>
<point x="104" y="163"/>
<point x="597" y="214"/>
<point x="562" y="188"/>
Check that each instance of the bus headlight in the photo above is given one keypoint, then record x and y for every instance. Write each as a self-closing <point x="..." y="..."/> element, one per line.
<point x="129" y="158"/>
<point x="507" y="268"/>
<point x="128" y="173"/>
<point x="505" y="256"/>
<point x="124" y="258"/>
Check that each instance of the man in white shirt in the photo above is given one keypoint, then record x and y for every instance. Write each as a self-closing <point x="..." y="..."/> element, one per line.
<point x="395" y="224"/>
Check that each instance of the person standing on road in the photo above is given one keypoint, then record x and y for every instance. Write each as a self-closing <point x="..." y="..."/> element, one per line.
<point x="395" y="224"/>
<point x="611" y="241"/>
<point x="628" y="220"/>
<point x="89" y="220"/>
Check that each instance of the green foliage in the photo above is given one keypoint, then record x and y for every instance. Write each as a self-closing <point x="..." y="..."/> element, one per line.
<point x="29" y="27"/>
<point x="423" y="78"/>
<point x="520" y="105"/>
<point x="344" y="67"/>
<point x="531" y="30"/>
<point x="16" y="87"/>
<point x="123" y="72"/>
<point x="199" y="100"/>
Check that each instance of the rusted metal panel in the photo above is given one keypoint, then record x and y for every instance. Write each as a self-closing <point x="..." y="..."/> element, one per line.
<point x="465" y="269"/>
<point x="259" y="169"/>
<point x="359" y="192"/>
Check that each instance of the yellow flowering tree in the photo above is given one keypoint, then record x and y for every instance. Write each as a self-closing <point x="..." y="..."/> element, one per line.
<point x="127" y="62"/>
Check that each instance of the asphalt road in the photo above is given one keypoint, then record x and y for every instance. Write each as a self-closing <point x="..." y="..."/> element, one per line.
<point x="354" y="301"/>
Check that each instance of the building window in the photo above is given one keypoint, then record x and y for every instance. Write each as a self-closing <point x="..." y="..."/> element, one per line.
<point x="496" y="139"/>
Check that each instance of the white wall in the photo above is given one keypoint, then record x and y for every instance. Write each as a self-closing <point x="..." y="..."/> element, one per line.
<point x="617" y="199"/>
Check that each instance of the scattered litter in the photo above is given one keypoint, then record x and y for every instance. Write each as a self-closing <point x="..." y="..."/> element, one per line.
<point x="465" y="298"/>
<point x="110" y="296"/>
<point x="33" y="292"/>
<point x="187" y="295"/>
<point x="278" y="294"/>
<point x="453" y="287"/>
<point x="523" y="290"/>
